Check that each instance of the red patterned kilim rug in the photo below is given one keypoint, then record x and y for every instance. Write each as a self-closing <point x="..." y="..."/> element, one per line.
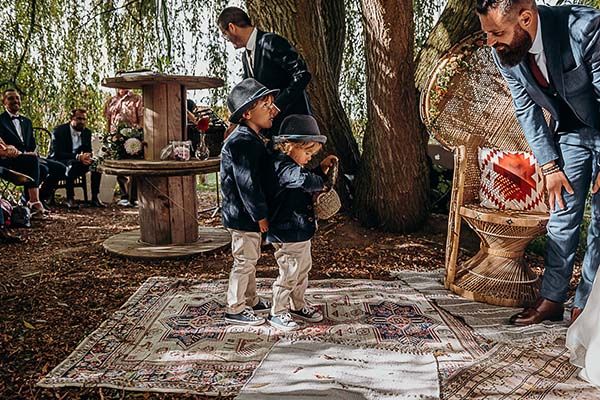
<point x="170" y="335"/>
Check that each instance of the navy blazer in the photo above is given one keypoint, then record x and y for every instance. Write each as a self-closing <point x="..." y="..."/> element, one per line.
<point x="571" y="37"/>
<point x="62" y="143"/>
<point x="9" y="134"/>
<point x="292" y="217"/>
<point x="277" y="65"/>
<point x="246" y="175"/>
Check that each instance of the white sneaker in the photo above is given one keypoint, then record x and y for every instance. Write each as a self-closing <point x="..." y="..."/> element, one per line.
<point x="123" y="203"/>
<point x="282" y="321"/>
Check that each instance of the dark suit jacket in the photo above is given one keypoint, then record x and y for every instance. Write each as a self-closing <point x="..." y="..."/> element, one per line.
<point x="291" y="212"/>
<point x="62" y="143"/>
<point x="571" y="37"/>
<point x="9" y="134"/>
<point x="277" y="65"/>
<point x="245" y="174"/>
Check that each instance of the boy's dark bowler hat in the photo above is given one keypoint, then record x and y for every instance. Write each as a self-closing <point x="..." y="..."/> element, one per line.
<point x="299" y="128"/>
<point x="243" y="95"/>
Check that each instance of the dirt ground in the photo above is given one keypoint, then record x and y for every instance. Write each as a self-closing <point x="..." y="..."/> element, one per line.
<point x="59" y="285"/>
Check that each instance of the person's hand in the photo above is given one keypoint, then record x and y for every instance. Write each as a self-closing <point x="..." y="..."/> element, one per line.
<point x="596" y="185"/>
<point x="554" y="185"/>
<point x="263" y="224"/>
<point x="86" y="158"/>
<point x="328" y="162"/>
<point x="8" y="151"/>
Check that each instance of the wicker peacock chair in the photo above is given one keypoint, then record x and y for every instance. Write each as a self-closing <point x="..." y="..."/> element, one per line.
<point x="466" y="105"/>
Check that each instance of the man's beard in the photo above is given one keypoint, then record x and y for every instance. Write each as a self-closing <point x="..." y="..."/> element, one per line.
<point x="515" y="52"/>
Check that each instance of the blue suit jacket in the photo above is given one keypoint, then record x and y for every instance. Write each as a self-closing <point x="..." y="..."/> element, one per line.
<point x="565" y="29"/>
<point x="292" y="216"/>
<point x="245" y="178"/>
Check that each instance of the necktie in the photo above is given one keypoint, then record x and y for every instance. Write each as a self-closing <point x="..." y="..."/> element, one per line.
<point x="249" y="60"/>
<point x="536" y="71"/>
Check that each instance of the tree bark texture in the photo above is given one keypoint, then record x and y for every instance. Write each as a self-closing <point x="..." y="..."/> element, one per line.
<point x="457" y="21"/>
<point x="334" y="14"/>
<point x="391" y="190"/>
<point x="304" y="25"/>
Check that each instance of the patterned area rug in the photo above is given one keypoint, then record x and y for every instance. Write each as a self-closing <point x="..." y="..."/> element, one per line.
<point x="525" y="362"/>
<point x="170" y="335"/>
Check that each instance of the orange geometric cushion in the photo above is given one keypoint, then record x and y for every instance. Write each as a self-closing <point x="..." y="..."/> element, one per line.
<point x="510" y="180"/>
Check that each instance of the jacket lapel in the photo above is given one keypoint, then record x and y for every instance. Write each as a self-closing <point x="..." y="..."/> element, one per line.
<point x="258" y="53"/>
<point x="8" y="125"/>
<point x="552" y="48"/>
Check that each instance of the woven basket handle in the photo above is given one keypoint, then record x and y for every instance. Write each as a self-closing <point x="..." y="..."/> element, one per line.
<point x="332" y="177"/>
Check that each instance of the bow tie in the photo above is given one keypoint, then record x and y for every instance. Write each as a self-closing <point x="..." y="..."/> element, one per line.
<point x="14" y="117"/>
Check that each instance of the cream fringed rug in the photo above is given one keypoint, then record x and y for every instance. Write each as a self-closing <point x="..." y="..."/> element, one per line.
<point x="170" y="337"/>
<point x="307" y="370"/>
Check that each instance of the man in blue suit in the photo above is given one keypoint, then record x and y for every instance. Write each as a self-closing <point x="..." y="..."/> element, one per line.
<point x="550" y="57"/>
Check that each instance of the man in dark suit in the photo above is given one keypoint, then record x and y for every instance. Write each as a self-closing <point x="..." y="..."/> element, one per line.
<point x="271" y="60"/>
<point x="17" y="131"/>
<point x="550" y="57"/>
<point x="72" y="146"/>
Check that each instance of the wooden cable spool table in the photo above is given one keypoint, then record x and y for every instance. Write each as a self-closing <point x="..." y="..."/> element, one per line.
<point x="168" y="205"/>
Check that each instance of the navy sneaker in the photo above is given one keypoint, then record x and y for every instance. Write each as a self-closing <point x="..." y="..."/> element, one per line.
<point x="308" y="313"/>
<point x="282" y="321"/>
<point x="262" y="306"/>
<point x="246" y="317"/>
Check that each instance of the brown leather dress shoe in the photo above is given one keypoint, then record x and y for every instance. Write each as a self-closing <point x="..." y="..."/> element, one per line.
<point x="575" y="312"/>
<point x="543" y="310"/>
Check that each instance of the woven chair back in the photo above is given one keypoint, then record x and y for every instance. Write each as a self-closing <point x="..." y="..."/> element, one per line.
<point x="467" y="96"/>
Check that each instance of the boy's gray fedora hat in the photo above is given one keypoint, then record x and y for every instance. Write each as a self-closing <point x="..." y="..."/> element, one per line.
<point x="243" y="95"/>
<point x="299" y="128"/>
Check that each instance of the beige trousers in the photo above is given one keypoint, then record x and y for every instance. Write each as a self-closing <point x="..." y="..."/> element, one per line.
<point x="245" y="248"/>
<point x="294" y="260"/>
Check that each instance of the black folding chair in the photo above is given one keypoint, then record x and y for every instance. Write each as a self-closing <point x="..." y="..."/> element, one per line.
<point x="9" y="180"/>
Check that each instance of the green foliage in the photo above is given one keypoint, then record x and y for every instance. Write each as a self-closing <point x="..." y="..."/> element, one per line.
<point x="57" y="53"/>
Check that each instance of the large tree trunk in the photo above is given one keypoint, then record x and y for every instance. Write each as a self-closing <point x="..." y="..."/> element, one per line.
<point x="304" y="24"/>
<point x="334" y="14"/>
<point x="456" y="22"/>
<point x="392" y="182"/>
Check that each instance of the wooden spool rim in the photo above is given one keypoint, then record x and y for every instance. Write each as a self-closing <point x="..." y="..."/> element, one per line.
<point x="139" y="80"/>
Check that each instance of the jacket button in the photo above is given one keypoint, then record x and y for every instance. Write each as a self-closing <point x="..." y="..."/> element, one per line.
<point x="311" y="219"/>
<point x="309" y="207"/>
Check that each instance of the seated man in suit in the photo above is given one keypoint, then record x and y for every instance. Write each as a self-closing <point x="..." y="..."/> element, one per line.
<point x="18" y="154"/>
<point x="72" y="146"/>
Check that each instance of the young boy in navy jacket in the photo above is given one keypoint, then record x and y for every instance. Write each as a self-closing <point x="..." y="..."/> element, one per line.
<point x="292" y="217"/>
<point x="245" y="171"/>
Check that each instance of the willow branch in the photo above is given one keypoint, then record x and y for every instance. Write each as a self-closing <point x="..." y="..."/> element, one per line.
<point x="109" y="11"/>
<point x="27" y="40"/>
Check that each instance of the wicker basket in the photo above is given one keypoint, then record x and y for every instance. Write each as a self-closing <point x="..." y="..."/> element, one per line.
<point x="328" y="203"/>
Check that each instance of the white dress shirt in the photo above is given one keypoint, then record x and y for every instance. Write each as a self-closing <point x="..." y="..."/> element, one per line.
<point x="537" y="49"/>
<point x="17" y="123"/>
<point x="76" y="138"/>
<point x="249" y="53"/>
